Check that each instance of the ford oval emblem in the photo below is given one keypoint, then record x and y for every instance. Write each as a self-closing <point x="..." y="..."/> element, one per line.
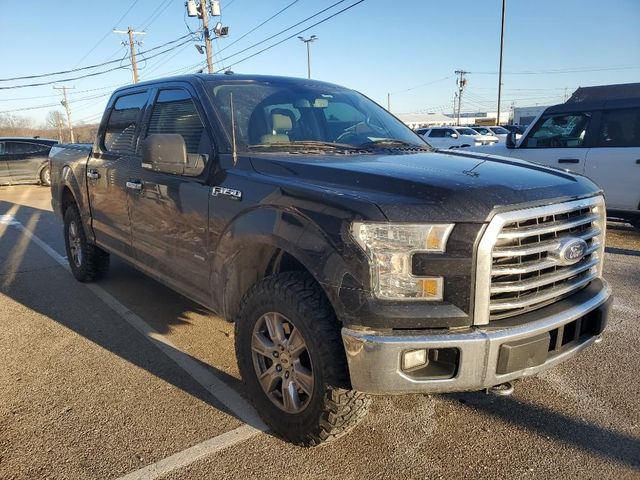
<point x="571" y="250"/>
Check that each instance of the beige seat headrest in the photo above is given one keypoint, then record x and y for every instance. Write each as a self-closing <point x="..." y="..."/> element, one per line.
<point x="280" y="123"/>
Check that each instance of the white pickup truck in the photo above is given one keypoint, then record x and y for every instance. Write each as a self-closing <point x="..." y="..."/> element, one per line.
<point x="599" y="139"/>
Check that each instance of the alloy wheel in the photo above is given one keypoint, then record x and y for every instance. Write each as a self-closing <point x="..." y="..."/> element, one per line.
<point x="282" y="362"/>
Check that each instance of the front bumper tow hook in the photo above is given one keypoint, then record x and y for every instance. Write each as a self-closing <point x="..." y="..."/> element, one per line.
<point x="501" y="390"/>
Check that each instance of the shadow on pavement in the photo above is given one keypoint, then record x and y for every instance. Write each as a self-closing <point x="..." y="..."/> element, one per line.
<point x="54" y="293"/>
<point x="588" y="437"/>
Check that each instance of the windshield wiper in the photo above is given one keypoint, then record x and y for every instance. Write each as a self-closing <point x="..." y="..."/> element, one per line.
<point x="315" y="144"/>
<point x="392" y="143"/>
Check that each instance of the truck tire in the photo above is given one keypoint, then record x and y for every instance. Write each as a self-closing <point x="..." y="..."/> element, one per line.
<point x="45" y="176"/>
<point x="87" y="261"/>
<point x="288" y="339"/>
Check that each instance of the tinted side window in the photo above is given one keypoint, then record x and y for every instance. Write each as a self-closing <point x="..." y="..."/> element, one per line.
<point x="437" y="133"/>
<point x="620" y="128"/>
<point x="175" y="112"/>
<point x="2" y="148"/>
<point x="563" y="130"/>
<point x="447" y="132"/>
<point x="24" y="148"/>
<point x="119" y="136"/>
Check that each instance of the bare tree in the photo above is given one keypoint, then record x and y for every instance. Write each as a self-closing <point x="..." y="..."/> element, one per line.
<point x="55" y="120"/>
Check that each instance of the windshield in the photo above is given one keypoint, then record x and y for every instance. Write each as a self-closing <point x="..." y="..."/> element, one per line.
<point x="500" y="130"/>
<point x="280" y="116"/>
<point x="466" y="131"/>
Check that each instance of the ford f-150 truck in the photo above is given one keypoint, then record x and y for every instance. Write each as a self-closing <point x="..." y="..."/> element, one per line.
<point x="353" y="258"/>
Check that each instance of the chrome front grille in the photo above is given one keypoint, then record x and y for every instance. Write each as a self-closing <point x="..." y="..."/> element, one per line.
<point x="519" y="269"/>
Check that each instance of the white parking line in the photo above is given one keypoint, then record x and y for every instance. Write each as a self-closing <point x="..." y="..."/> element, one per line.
<point x="190" y="455"/>
<point x="214" y="385"/>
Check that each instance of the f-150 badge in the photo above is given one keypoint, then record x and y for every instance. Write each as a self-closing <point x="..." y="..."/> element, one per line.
<point x="227" y="192"/>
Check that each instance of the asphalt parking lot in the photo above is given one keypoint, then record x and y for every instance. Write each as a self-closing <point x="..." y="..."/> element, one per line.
<point x="125" y="377"/>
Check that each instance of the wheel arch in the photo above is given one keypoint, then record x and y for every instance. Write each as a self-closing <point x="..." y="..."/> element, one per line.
<point x="268" y="241"/>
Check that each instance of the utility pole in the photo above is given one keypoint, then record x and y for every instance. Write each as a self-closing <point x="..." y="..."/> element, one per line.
<point x="132" y="49"/>
<point x="312" y="38"/>
<point x="204" y="14"/>
<point x="388" y="102"/>
<point x="462" y="82"/>
<point x="504" y="6"/>
<point x="65" y="104"/>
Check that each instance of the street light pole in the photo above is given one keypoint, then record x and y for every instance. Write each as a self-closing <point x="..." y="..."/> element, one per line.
<point x="504" y="5"/>
<point x="312" y="38"/>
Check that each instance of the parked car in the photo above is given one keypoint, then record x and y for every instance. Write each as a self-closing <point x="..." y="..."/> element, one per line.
<point x="353" y="258"/>
<point x="518" y="129"/>
<point x="24" y="160"/>
<point x="499" y="132"/>
<point x="456" y="137"/>
<point x="599" y="139"/>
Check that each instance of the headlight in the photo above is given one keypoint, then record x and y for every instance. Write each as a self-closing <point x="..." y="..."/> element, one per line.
<point x="390" y="248"/>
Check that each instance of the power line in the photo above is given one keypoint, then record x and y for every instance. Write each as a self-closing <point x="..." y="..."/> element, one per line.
<point x="92" y="74"/>
<point x="287" y="29"/>
<point x="156" y="14"/>
<point x="62" y="72"/>
<point x="422" y="85"/>
<point x="573" y="70"/>
<point x="258" y="26"/>
<point x="108" y="33"/>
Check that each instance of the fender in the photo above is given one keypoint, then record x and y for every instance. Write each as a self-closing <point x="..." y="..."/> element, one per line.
<point x="247" y="248"/>
<point x="69" y="180"/>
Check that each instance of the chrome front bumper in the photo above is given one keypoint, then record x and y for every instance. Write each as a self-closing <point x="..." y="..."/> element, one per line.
<point x="375" y="358"/>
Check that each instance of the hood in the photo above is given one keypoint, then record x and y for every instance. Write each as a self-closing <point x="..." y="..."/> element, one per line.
<point x="429" y="186"/>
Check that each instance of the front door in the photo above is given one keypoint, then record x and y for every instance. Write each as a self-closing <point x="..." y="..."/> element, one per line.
<point x="108" y="173"/>
<point x="24" y="160"/>
<point x="169" y="212"/>
<point x="557" y="140"/>
<point x="614" y="162"/>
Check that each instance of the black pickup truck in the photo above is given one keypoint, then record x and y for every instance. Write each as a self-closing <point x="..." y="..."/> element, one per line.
<point x="353" y="258"/>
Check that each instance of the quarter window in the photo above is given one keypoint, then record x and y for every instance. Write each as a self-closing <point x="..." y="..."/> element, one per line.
<point x="175" y="112"/>
<point x="620" y="128"/>
<point x="24" y="148"/>
<point x="559" y="131"/>
<point x="120" y="134"/>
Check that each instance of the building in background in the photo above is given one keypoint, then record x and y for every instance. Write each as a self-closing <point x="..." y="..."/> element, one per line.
<point x="525" y="115"/>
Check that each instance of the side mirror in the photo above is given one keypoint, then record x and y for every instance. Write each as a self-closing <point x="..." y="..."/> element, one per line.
<point x="167" y="153"/>
<point x="510" y="141"/>
<point x="454" y="135"/>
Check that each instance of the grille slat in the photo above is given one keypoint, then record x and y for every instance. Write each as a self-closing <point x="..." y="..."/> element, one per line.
<point x="526" y="271"/>
<point x="529" y="249"/>
<point x="551" y="294"/>
<point x="551" y="227"/>
<point x="543" y="279"/>
<point x="533" y="265"/>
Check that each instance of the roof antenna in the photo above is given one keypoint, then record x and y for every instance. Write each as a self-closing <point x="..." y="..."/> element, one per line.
<point x="233" y="132"/>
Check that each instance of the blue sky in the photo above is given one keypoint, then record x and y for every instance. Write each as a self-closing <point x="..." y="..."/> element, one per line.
<point x="376" y="47"/>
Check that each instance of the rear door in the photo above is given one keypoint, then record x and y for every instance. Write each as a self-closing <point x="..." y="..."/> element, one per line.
<point x="614" y="162"/>
<point x="24" y="160"/>
<point x="558" y="140"/>
<point x="169" y="212"/>
<point x="108" y="171"/>
<point x="5" y="178"/>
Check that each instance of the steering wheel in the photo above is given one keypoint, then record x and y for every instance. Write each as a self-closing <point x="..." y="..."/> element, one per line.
<point x="356" y="134"/>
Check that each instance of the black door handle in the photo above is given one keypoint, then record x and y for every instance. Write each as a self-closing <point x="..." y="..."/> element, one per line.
<point x="568" y="160"/>
<point x="638" y="161"/>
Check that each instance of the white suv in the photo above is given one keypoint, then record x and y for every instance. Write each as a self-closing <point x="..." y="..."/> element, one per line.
<point x="455" y="137"/>
<point x="599" y="139"/>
